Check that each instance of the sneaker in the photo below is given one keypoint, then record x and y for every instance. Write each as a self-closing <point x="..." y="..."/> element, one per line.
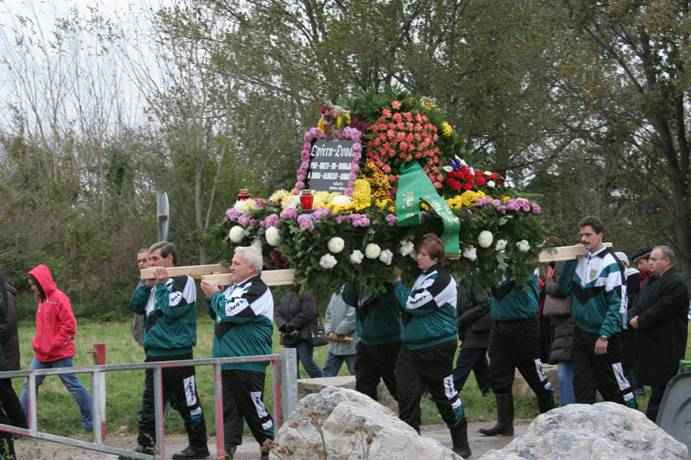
<point x="192" y="453"/>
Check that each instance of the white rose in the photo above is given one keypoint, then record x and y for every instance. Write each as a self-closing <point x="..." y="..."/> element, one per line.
<point x="236" y="234"/>
<point x="501" y="245"/>
<point x="372" y="251"/>
<point x="470" y="253"/>
<point x="523" y="246"/>
<point x="273" y="236"/>
<point x="336" y="244"/>
<point x="386" y="257"/>
<point x="407" y="247"/>
<point x="491" y="184"/>
<point x="356" y="257"/>
<point x="328" y="261"/>
<point x="485" y="239"/>
<point x="245" y="206"/>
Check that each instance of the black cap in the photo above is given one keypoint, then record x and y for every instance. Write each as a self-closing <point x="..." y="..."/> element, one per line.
<point x="641" y="254"/>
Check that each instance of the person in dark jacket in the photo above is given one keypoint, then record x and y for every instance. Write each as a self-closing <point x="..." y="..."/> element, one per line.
<point x="296" y="319"/>
<point x="10" y="409"/>
<point x="378" y="325"/>
<point x="515" y="343"/>
<point x="169" y="304"/>
<point x="660" y="317"/>
<point x="474" y="324"/>
<point x="561" y="350"/>
<point x="429" y="344"/>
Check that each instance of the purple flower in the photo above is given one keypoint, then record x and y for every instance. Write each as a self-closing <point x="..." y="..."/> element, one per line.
<point x="537" y="209"/>
<point x="359" y="220"/>
<point x="341" y="219"/>
<point x="289" y="214"/>
<point x="320" y="213"/>
<point x="232" y="214"/>
<point x="244" y="220"/>
<point x="391" y="219"/>
<point x="271" y="220"/>
<point x="305" y="222"/>
<point x="253" y="222"/>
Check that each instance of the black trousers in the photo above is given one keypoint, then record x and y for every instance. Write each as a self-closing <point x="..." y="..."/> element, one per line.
<point x="428" y="369"/>
<point x="472" y="359"/>
<point x="180" y="390"/>
<point x="658" y="391"/>
<point x="375" y="362"/>
<point x="603" y="373"/>
<point x="243" y="398"/>
<point x="515" y="345"/>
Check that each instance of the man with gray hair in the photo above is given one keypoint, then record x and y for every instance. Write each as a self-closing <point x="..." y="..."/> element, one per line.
<point x="243" y="326"/>
<point x="660" y="318"/>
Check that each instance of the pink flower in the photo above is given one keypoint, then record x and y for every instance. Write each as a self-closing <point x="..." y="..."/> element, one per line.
<point x="289" y="214"/>
<point x="244" y="220"/>
<point x="305" y="222"/>
<point x="320" y="213"/>
<point x="396" y="104"/>
<point x="537" y="209"/>
<point x="271" y="220"/>
<point x="232" y="214"/>
<point x="391" y="219"/>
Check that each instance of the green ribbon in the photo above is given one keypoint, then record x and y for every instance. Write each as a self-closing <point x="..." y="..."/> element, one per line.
<point x="413" y="188"/>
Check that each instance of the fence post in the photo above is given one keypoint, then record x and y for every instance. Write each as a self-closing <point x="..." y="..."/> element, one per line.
<point x="99" y="389"/>
<point x="218" y="412"/>
<point x="289" y="382"/>
<point x="159" y="414"/>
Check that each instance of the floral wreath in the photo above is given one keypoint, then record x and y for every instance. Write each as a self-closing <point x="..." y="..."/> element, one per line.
<point x="313" y="134"/>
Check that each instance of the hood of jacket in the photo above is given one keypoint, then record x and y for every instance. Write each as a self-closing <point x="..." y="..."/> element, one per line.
<point x="44" y="277"/>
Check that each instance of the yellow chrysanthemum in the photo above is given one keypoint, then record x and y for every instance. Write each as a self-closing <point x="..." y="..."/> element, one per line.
<point x="342" y="120"/>
<point x="385" y="204"/>
<point x="504" y="198"/>
<point x="446" y="129"/>
<point x="321" y="199"/>
<point x="340" y="203"/>
<point x="278" y="195"/>
<point x="322" y="125"/>
<point x="464" y="200"/>
<point x="362" y="194"/>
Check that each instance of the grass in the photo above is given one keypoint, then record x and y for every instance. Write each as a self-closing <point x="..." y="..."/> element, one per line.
<point x="58" y="413"/>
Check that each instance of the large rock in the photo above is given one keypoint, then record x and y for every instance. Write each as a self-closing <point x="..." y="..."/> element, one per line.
<point x="602" y="431"/>
<point x="315" y="385"/>
<point x="341" y="424"/>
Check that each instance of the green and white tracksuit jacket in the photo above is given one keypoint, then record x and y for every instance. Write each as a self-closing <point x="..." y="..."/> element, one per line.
<point x="595" y="283"/>
<point x="429" y="309"/>
<point x="170" y="328"/>
<point x="243" y="316"/>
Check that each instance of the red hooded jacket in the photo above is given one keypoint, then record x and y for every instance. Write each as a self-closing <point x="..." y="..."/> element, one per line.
<point x="55" y="323"/>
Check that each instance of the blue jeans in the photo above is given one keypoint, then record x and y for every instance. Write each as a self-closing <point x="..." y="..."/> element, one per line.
<point x="334" y="362"/>
<point x="71" y="382"/>
<point x="305" y="351"/>
<point x="565" y="372"/>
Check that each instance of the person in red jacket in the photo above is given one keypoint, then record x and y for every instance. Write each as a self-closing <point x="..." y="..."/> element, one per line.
<point x="54" y="340"/>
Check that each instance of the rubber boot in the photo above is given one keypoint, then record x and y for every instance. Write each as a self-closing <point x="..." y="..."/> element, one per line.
<point x="459" y="437"/>
<point x="504" y="426"/>
<point x="545" y="401"/>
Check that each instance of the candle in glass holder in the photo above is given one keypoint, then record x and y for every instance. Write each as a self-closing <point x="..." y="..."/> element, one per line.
<point x="243" y="194"/>
<point x="306" y="200"/>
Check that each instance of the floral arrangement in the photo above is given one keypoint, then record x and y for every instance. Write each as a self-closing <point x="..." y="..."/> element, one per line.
<point x="354" y="236"/>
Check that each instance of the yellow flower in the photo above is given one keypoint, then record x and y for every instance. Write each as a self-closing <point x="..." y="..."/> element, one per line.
<point x="278" y="195"/>
<point x="385" y="204"/>
<point x="362" y="194"/>
<point x="446" y="129"/>
<point x="322" y="125"/>
<point x="340" y="203"/>
<point x="343" y="119"/>
<point x="464" y="200"/>
<point x="505" y="198"/>
<point x="321" y="199"/>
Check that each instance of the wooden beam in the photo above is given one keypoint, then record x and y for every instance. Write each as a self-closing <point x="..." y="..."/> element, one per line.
<point x="195" y="271"/>
<point x="270" y="277"/>
<point x="563" y="253"/>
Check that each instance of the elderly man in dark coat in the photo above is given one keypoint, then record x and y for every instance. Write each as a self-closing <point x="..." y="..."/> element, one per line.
<point x="660" y="318"/>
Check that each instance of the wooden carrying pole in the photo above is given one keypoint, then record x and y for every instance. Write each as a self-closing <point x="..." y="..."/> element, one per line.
<point x="218" y="275"/>
<point x="562" y="253"/>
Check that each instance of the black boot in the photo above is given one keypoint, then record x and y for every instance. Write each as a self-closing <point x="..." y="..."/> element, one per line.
<point x="459" y="436"/>
<point x="545" y="401"/>
<point x="504" y="426"/>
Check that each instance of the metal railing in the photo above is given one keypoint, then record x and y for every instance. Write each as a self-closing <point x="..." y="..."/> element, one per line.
<point x="284" y="375"/>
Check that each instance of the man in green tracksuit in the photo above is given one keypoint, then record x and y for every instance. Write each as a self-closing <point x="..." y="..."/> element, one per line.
<point x="594" y="283"/>
<point x="243" y="326"/>
<point x="515" y="343"/>
<point x="378" y="325"/>
<point x="170" y="334"/>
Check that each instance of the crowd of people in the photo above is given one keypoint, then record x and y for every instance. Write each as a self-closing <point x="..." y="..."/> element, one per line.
<point x="611" y="329"/>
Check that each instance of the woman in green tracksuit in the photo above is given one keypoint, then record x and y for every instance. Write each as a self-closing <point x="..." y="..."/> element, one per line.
<point x="429" y="343"/>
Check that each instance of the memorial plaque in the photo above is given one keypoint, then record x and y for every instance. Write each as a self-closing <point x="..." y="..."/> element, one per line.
<point x="330" y="165"/>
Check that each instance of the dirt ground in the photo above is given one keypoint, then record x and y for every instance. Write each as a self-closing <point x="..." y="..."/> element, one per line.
<point x="28" y="449"/>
